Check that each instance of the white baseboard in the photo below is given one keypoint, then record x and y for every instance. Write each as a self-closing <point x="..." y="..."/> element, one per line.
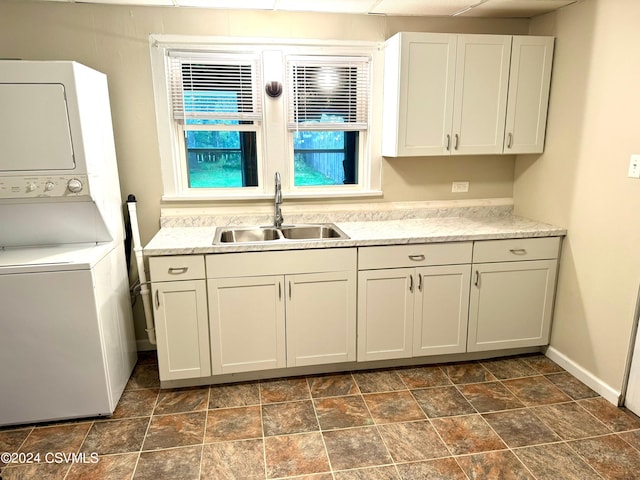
<point x="144" y="345"/>
<point x="606" y="391"/>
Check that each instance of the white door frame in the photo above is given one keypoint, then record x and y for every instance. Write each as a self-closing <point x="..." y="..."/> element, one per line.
<point x="630" y="396"/>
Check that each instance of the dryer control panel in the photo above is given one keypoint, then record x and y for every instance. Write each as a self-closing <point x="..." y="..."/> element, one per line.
<point x="54" y="186"/>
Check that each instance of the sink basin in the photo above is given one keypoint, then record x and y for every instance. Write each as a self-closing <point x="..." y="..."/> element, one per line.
<point x="246" y="235"/>
<point x="311" y="232"/>
<point x="321" y="231"/>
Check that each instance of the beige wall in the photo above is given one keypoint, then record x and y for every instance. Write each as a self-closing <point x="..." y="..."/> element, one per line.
<point x="581" y="180"/>
<point x="114" y="40"/>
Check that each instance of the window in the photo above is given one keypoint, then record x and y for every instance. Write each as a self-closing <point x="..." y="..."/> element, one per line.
<point x="221" y="137"/>
<point x="217" y="106"/>
<point x="328" y="111"/>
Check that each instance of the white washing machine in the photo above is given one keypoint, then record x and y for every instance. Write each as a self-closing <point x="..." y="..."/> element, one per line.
<point x="67" y="344"/>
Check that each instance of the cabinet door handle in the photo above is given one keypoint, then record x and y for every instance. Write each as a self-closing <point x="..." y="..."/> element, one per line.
<point x="177" y="270"/>
<point x="448" y="141"/>
<point x="411" y="283"/>
<point x="279" y="290"/>
<point x="417" y="258"/>
<point x="157" y="299"/>
<point x="457" y="141"/>
<point x="509" y="140"/>
<point x="420" y="281"/>
<point x="518" y="251"/>
<point x="289" y="290"/>
<point x="477" y="282"/>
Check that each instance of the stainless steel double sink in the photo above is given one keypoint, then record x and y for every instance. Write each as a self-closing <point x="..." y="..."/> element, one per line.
<point x="309" y="232"/>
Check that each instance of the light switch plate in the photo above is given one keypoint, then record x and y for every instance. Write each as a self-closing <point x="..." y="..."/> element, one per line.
<point x="634" y="166"/>
<point x="460" y="187"/>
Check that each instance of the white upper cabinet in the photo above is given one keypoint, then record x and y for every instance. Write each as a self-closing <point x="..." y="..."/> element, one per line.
<point x="447" y="94"/>
<point x="419" y="78"/>
<point x="529" y="82"/>
<point x="482" y="78"/>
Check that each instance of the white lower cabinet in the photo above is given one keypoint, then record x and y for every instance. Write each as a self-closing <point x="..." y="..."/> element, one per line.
<point x="247" y="324"/>
<point x="512" y="294"/>
<point x="269" y="314"/>
<point x="277" y="309"/>
<point x="385" y="314"/>
<point x="413" y="311"/>
<point x="181" y="322"/>
<point x="321" y="318"/>
<point x="441" y="312"/>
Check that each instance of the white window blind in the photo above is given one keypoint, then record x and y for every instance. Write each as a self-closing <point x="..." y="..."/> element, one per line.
<point x="210" y="86"/>
<point x="328" y="92"/>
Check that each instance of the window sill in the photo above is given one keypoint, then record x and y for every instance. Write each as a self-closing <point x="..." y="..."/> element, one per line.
<point x="191" y="197"/>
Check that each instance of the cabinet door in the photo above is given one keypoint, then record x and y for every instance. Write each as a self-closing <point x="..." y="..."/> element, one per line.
<point x="529" y="82"/>
<point x="425" y="112"/>
<point x="247" y="323"/>
<point x="511" y="304"/>
<point x="482" y="77"/>
<point x="182" y="329"/>
<point x="385" y="313"/>
<point x="441" y="310"/>
<point x="321" y="318"/>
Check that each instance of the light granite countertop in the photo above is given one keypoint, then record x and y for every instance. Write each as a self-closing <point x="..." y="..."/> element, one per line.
<point x="181" y="240"/>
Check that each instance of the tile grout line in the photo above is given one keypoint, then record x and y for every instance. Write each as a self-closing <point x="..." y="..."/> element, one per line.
<point x="315" y="412"/>
<point x="204" y="433"/>
<point x="527" y="408"/>
<point x="264" y="438"/>
<point x="531" y="409"/>
<point x="508" y="448"/>
<point x="144" y="438"/>
<point x="628" y="431"/>
<point x="457" y="387"/>
<point x="428" y="419"/>
<point x="80" y="446"/>
<point x="567" y="443"/>
<point x="375" y="423"/>
<point x="19" y="447"/>
<point x="579" y="404"/>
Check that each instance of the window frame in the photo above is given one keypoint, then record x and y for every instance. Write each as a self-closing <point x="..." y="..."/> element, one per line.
<point x="274" y="140"/>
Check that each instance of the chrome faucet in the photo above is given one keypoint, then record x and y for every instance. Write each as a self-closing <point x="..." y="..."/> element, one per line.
<point x="277" y="201"/>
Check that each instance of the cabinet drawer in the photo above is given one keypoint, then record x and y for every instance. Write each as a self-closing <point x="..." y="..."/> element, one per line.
<point x="419" y="255"/>
<point x="516" y="249"/>
<point x="179" y="267"/>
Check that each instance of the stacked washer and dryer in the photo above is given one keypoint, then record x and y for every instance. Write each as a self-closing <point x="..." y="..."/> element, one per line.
<point x="67" y="344"/>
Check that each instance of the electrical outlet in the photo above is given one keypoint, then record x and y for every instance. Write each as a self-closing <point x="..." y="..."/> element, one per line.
<point x="634" y="166"/>
<point x="460" y="187"/>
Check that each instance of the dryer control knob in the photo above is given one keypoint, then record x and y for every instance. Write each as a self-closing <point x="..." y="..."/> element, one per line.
<point x="48" y="186"/>
<point x="74" y="185"/>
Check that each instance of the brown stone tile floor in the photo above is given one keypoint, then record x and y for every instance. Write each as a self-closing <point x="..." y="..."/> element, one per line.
<point x="513" y="418"/>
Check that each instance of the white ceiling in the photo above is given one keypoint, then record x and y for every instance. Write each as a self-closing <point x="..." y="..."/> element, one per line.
<point x="467" y="8"/>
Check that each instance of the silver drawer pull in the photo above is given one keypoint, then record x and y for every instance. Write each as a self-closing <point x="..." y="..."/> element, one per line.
<point x="417" y="258"/>
<point x="177" y="270"/>
<point x="518" y="251"/>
